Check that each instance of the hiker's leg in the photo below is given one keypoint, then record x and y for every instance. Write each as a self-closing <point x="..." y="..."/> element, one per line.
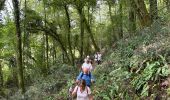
<point x="99" y="62"/>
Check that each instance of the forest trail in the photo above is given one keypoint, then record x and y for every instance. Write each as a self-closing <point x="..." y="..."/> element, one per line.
<point x="40" y="41"/>
<point x="94" y="61"/>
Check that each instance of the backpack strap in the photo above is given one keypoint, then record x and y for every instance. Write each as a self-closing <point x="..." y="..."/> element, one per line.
<point x="82" y="75"/>
<point x="89" y="74"/>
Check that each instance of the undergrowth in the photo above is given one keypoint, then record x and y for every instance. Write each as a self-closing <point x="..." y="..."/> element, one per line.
<point x="136" y="67"/>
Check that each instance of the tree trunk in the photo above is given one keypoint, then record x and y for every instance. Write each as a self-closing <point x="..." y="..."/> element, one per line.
<point x="76" y="38"/>
<point x="43" y="58"/>
<point x="81" y="14"/>
<point x="26" y="41"/>
<point x="120" y="27"/>
<point x="47" y="49"/>
<point x="132" y="19"/>
<point x="167" y="5"/>
<point x="69" y="33"/>
<point x="111" y="35"/>
<point x="91" y="34"/>
<point x="1" y="76"/>
<point x="153" y="10"/>
<point x="54" y="52"/>
<point x="54" y="34"/>
<point x="2" y="2"/>
<point x="46" y="40"/>
<point x="19" y="45"/>
<point x="142" y="13"/>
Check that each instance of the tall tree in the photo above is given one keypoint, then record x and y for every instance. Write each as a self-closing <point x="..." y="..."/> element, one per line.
<point x="132" y="18"/>
<point x="153" y="10"/>
<point x="84" y="24"/>
<point x="26" y="39"/>
<point x="52" y="31"/>
<point x="120" y="27"/>
<point x="2" y="2"/>
<point x="167" y="5"/>
<point x="69" y="32"/>
<point x="110" y="5"/>
<point x="1" y="75"/>
<point x="81" y="14"/>
<point x="88" y="24"/>
<point x="142" y="13"/>
<point x="46" y="37"/>
<point x="18" y="45"/>
<point x="90" y="33"/>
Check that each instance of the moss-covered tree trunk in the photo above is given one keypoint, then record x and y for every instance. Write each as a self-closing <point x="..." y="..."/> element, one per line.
<point x="18" y="45"/>
<point x="81" y="14"/>
<point x="69" y="33"/>
<point x="167" y="5"/>
<point x="54" y="51"/>
<point x="2" y="2"/>
<point x="88" y="46"/>
<point x="120" y="26"/>
<point x="132" y="18"/>
<point x="57" y="38"/>
<point x="43" y="59"/>
<point x="153" y="10"/>
<point x="1" y="76"/>
<point x="142" y="13"/>
<point x="26" y="40"/>
<point x="46" y="40"/>
<point x="91" y="34"/>
<point x="112" y="24"/>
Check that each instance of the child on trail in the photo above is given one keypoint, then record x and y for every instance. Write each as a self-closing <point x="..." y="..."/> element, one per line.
<point x="82" y="91"/>
<point x="86" y="73"/>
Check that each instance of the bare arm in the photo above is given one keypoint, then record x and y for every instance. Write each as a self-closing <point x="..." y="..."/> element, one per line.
<point x="75" y="91"/>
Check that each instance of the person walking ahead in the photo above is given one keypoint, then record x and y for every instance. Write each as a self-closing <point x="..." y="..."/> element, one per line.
<point x="82" y="91"/>
<point x="86" y="74"/>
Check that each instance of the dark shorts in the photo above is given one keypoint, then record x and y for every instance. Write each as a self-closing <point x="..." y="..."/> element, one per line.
<point x="98" y="62"/>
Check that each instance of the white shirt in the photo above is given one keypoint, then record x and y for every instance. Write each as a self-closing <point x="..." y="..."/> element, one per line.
<point x="99" y="56"/>
<point x="88" y="66"/>
<point x="82" y="95"/>
<point x="95" y="57"/>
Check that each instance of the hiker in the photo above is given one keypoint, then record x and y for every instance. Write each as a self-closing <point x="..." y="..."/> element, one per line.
<point x="82" y="92"/>
<point x="86" y="73"/>
<point x="98" y="58"/>
<point x="95" y="57"/>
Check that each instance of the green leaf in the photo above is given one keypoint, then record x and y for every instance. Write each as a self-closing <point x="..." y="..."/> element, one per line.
<point x="145" y="90"/>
